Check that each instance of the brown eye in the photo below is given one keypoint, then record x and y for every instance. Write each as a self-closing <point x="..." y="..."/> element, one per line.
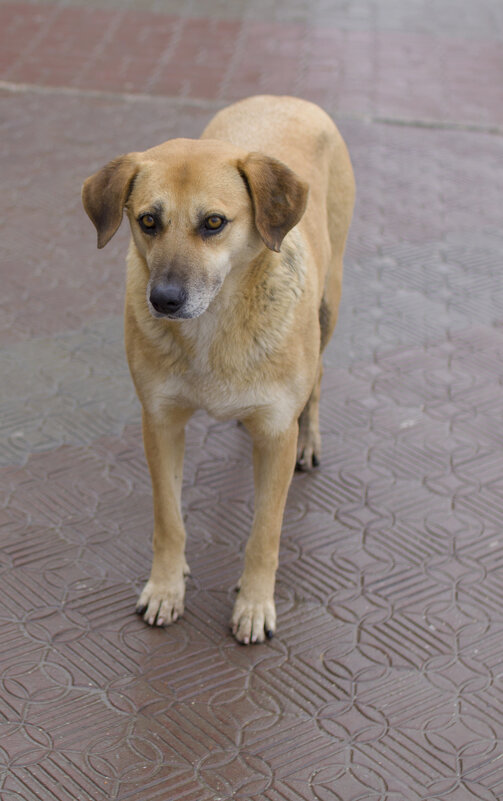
<point x="214" y="222"/>
<point x="147" y="221"/>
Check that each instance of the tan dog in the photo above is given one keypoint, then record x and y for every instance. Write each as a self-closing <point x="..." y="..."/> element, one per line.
<point x="234" y="280"/>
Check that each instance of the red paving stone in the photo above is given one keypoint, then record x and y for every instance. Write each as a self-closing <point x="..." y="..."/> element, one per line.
<point x="385" y="73"/>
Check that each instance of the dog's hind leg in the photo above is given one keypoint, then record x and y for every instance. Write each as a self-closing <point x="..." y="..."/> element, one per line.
<point x="309" y="440"/>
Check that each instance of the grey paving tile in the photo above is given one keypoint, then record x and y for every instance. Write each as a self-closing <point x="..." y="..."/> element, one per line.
<point x="70" y="388"/>
<point x="410" y="276"/>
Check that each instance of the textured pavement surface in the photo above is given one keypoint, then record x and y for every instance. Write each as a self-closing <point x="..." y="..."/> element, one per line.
<point x="385" y="679"/>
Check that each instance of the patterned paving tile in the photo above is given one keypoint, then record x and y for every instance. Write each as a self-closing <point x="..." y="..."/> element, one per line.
<point x="386" y="662"/>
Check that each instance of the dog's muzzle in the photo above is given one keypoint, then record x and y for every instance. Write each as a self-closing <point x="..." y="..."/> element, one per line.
<point x="168" y="297"/>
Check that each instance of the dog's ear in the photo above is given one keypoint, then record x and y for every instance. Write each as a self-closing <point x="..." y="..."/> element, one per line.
<point x="105" y="194"/>
<point x="279" y="196"/>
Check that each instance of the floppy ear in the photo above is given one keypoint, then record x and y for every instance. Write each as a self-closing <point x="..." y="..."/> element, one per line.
<point x="105" y="194"/>
<point x="279" y="197"/>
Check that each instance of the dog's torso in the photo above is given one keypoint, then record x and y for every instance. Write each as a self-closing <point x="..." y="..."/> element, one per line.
<point x="242" y="354"/>
<point x="257" y="344"/>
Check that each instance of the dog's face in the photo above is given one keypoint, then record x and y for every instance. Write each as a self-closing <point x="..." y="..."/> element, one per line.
<point x="190" y="219"/>
<point x="197" y="209"/>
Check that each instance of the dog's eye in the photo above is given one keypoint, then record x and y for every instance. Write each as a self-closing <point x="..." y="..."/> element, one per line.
<point x="214" y="222"/>
<point x="147" y="222"/>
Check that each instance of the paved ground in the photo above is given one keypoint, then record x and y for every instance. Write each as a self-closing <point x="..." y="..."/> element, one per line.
<point x="385" y="679"/>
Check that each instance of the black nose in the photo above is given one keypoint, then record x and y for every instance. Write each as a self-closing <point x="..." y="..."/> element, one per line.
<point x="167" y="297"/>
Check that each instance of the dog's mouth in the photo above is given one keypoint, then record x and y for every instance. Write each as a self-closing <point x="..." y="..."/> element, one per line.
<point x="186" y="311"/>
<point x="180" y="315"/>
<point x="172" y="301"/>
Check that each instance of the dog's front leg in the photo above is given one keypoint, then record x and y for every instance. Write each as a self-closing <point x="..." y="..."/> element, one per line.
<point x="161" y="601"/>
<point x="254" y="615"/>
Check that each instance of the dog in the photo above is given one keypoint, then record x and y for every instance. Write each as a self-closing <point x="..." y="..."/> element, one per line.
<point x="233" y="285"/>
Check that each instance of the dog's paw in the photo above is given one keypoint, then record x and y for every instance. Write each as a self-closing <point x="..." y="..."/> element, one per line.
<point x="308" y="451"/>
<point x="253" y="621"/>
<point x="161" y="603"/>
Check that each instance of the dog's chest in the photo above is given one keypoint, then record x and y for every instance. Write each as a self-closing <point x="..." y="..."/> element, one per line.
<point x="226" y="400"/>
<point x="229" y="374"/>
<point x="232" y="358"/>
<point x="209" y="382"/>
<point x="222" y="400"/>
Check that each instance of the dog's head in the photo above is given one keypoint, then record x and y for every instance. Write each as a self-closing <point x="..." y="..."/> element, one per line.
<point x="197" y="209"/>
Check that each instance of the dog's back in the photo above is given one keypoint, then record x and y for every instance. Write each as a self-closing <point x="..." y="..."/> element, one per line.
<point x="294" y="131"/>
<point x="304" y="137"/>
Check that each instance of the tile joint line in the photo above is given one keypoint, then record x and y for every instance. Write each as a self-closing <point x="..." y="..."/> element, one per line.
<point x="445" y="125"/>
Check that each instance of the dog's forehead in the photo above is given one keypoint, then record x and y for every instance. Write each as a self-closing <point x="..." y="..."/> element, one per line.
<point x="187" y="167"/>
